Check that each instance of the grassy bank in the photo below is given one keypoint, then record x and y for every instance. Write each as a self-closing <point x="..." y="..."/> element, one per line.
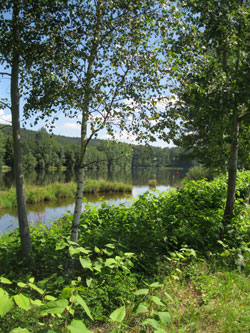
<point x="160" y="265"/>
<point x="35" y="194"/>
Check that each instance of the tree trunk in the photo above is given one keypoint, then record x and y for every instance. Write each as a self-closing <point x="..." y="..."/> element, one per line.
<point x="232" y="169"/>
<point x="80" y="182"/>
<point x="18" y="167"/>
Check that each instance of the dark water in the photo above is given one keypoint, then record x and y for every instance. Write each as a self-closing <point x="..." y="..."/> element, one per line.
<point x="47" y="212"/>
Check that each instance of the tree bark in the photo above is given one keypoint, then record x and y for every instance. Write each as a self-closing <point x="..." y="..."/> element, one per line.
<point x="18" y="166"/>
<point x="232" y="169"/>
<point x="80" y="181"/>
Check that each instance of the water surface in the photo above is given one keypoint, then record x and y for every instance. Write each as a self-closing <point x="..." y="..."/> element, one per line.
<point x="49" y="211"/>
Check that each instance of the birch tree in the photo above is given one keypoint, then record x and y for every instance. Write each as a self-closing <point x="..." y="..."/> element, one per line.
<point x="115" y="78"/>
<point x="26" y="36"/>
<point x="210" y="114"/>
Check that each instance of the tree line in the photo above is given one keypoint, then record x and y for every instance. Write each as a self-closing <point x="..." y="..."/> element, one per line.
<point x="42" y="151"/>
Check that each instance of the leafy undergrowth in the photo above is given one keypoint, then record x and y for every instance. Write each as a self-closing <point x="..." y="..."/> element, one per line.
<point x="165" y="263"/>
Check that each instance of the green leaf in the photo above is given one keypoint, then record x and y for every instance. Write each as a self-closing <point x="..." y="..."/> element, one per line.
<point x="164" y="317"/>
<point x="110" y="262"/>
<point x="19" y="330"/>
<point x="149" y="321"/>
<point x="73" y="251"/>
<point x="157" y="300"/>
<point x="77" y="326"/>
<point x="155" y="285"/>
<point x="98" y="266"/>
<point x="86" y="263"/>
<point x="111" y="246"/>
<point x="54" y="307"/>
<point x="97" y="250"/>
<point x="6" y="304"/>
<point x="118" y="315"/>
<point x="33" y="286"/>
<point x="89" y="281"/>
<point x="36" y="302"/>
<point x="22" y="301"/>
<point x="50" y="298"/>
<point x="143" y="291"/>
<point x="84" y="305"/>
<point x="21" y="284"/>
<point x="66" y="293"/>
<point x="142" y="308"/>
<point x="61" y="245"/>
<point x="5" y="280"/>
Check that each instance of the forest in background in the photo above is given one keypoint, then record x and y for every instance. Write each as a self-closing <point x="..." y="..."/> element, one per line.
<point x="42" y="151"/>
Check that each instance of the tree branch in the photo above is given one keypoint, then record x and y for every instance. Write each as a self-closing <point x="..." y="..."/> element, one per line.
<point x="5" y="105"/>
<point x="3" y="73"/>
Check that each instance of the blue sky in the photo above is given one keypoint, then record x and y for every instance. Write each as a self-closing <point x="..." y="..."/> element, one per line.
<point x="64" y="126"/>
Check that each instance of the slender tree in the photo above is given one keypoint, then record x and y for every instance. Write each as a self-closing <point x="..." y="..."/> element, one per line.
<point x="27" y="30"/>
<point x="115" y="76"/>
<point x="210" y="64"/>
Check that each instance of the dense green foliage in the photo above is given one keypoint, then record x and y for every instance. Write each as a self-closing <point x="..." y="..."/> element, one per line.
<point x="120" y="249"/>
<point x="43" y="151"/>
<point x="211" y="57"/>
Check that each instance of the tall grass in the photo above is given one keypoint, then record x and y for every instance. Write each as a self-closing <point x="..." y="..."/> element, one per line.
<point x="36" y="194"/>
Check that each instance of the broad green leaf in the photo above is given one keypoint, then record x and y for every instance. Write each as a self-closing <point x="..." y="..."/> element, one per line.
<point x="110" y="262"/>
<point x="86" y="263"/>
<point x="73" y="251"/>
<point x="89" y="281"/>
<point x="149" y="321"/>
<point x="164" y="317"/>
<point x="21" y="284"/>
<point x="61" y="245"/>
<point x="143" y="291"/>
<point x="142" y="308"/>
<point x="32" y="280"/>
<point x="6" y="304"/>
<point x="118" y="315"/>
<point x="111" y="246"/>
<point x="5" y="280"/>
<point x="157" y="300"/>
<point x="19" y="330"/>
<point x="36" y="302"/>
<point x="77" y="326"/>
<point x="54" y="307"/>
<point x="97" y="250"/>
<point x="50" y="298"/>
<point x="84" y="305"/>
<point x="83" y="250"/>
<point x="33" y="286"/>
<point x="155" y="285"/>
<point x="97" y="266"/>
<point x="129" y="254"/>
<point x="22" y="301"/>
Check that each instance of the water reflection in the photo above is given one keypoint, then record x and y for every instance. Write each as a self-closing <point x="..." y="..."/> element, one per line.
<point x="47" y="212"/>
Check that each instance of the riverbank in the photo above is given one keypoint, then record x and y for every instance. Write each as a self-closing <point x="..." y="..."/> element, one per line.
<point x="51" y="192"/>
<point x="157" y="265"/>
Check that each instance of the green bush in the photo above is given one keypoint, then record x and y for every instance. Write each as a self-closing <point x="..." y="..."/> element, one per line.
<point x="198" y="172"/>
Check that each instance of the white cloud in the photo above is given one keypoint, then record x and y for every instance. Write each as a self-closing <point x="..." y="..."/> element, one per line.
<point x="5" y="118"/>
<point x="124" y="136"/>
<point x="73" y="126"/>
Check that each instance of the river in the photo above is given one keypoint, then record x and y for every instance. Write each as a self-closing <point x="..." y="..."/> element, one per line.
<point x="47" y="212"/>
